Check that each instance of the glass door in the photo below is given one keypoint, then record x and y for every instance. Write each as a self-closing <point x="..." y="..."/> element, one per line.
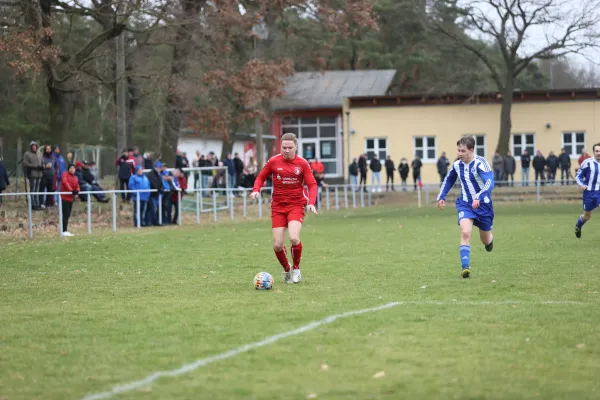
<point x="308" y="150"/>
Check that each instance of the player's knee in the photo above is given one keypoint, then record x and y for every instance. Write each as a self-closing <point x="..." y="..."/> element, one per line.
<point x="587" y="216"/>
<point x="465" y="234"/>
<point x="278" y="246"/>
<point x="295" y="239"/>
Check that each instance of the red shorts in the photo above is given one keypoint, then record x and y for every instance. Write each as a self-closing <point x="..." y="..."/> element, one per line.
<point x="281" y="216"/>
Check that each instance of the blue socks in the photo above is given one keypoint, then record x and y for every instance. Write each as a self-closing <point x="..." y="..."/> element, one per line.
<point x="465" y="255"/>
<point x="580" y="222"/>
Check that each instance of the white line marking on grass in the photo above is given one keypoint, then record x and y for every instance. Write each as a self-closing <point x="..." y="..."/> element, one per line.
<point x="313" y="325"/>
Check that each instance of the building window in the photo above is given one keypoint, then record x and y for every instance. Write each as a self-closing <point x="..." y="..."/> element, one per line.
<point x="318" y="137"/>
<point x="480" y="145"/>
<point x="573" y="143"/>
<point x="425" y="147"/>
<point x="522" y="142"/>
<point x="376" y="146"/>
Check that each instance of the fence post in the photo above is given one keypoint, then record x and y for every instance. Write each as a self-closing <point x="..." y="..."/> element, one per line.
<point x="326" y="198"/>
<point x="244" y="194"/>
<point x="427" y="194"/>
<point x="137" y="209"/>
<point x="231" y="206"/>
<point x="29" y="216"/>
<point x="369" y="198"/>
<point x="419" y="196"/>
<point x="198" y="195"/>
<point x="114" y="211"/>
<point x="537" y="189"/>
<point x="345" y="196"/>
<point x="362" y="198"/>
<point x="178" y="207"/>
<point x="89" y="212"/>
<point x="60" y="215"/>
<point x="214" y="196"/>
<point x="260" y="203"/>
<point x="353" y="198"/>
<point x="337" y="199"/>
<point x="159" y="208"/>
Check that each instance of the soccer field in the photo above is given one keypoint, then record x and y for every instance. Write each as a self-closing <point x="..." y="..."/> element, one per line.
<point x="83" y="315"/>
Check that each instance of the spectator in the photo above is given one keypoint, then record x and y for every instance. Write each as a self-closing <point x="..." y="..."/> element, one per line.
<point x="389" y="173"/>
<point x="138" y="160"/>
<point x="239" y="169"/>
<point x="403" y="170"/>
<point x="4" y="182"/>
<point x="180" y="183"/>
<point x="148" y="160"/>
<point x="251" y="170"/>
<point x="539" y="163"/>
<point x="156" y="184"/>
<point x="510" y="166"/>
<point x="125" y="165"/>
<point x="84" y="186"/>
<point x="139" y="181"/>
<point x="498" y="165"/>
<point x="69" y="159"/>
<point x="564" y="162"/>
<point x="94" y="172"/>
<point x="220" y="176"/>
<point x="230" y="172"/>
<point x="196" y="164"/>
<point x="353" y="173"/>
<point x="47" y="183"/>
<point x="32" y="162"/>
<point x="61" y="167"/>
<point x="552" y="163"/>
<point x="186" y="164"/>
<point x="525" y="162"/>
<point x="362" y="168"/>
<point x="320" y="179"/>
<point x="68" y="183"/>
<point x="375" y="167"/>
<point x="206" y="174"/>
<point x="318" y="166"/>
<point x="584" y="156"/>
<point x="442" y="166"/>
<point x="168" y="188"/>
<point x="416" y="167"/>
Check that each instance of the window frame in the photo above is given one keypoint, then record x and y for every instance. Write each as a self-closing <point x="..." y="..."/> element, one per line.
<point x="377" y="149"/>
<point x="523" y="144"/>
<point x="573" y="134"/>
<point x="425" y="148"/>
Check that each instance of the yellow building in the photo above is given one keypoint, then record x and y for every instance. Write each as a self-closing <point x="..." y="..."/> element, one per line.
<point x="403" y="126"/>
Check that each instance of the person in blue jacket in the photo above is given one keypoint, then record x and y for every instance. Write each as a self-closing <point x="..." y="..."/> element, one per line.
<point x="139" y="181"/>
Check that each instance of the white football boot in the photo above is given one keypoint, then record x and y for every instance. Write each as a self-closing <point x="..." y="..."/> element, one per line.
<point x="296" y="276"/>
<point x="287" y="276"/>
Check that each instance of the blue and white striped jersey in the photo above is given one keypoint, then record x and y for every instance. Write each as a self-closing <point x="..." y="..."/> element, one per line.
<point x="476" y="179"/>
<point x="589" y="175"/>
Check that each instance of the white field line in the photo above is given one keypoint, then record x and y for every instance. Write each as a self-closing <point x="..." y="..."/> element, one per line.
<point x="313" y="325"/>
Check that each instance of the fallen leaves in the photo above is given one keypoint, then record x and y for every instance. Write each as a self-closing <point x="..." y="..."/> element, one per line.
<point x="379" y="374"/>
<point x="580" y="346"/>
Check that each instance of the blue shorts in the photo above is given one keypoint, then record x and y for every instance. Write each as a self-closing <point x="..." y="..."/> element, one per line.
<point x="483" y="217"/>
<point x="591" y="200"/>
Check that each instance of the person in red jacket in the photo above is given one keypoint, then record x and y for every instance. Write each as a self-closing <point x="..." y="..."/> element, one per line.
<point x="180" y="184"/>
<point x="68" y="183"/>
<point x="290" y="173"/>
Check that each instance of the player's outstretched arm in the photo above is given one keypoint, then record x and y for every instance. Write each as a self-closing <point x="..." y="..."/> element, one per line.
<point x="449" y="181"/>
<point x="260" y="180"/>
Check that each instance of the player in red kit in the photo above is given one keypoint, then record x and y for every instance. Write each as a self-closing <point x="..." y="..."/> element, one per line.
<point x="290" y="173"/>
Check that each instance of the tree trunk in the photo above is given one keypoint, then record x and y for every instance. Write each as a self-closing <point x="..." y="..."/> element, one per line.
<point x="62" y="111"/>
<point x="505" y="119"/>
<point x="174" y="107"/>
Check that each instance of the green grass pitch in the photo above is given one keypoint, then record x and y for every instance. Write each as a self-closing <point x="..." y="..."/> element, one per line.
<point x="81" y="315"/>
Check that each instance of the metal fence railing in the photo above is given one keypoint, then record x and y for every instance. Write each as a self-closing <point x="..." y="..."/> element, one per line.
<point x="223" y="202"/>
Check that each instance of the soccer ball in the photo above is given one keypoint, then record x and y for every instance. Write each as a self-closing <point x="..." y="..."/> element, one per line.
<point x="263" y="281"/>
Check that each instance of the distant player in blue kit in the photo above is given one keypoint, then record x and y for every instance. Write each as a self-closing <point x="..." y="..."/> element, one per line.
<point x="474" y="205"/>
<point x="588" y="179"/>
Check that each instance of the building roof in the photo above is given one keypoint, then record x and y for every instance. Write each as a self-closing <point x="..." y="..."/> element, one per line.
<point x="328" y="89"/>
<point x="519" y="96"/>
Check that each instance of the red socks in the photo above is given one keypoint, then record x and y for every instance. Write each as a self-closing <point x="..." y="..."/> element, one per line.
<point x="282" y="257"/>
<point x="297" y="254"/>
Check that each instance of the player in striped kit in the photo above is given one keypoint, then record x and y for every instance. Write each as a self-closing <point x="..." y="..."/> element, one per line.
<point x="474" y="205"/>
<point x="588" y="179"/>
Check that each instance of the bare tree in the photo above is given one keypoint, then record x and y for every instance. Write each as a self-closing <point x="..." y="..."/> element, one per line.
<point x="509" y="25"/>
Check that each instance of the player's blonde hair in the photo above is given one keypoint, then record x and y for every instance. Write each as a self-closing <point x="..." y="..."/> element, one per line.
<point x="289" y="136"/>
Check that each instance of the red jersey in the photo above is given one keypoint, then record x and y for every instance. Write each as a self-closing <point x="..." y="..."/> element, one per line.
<point x="289" y="178"/>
